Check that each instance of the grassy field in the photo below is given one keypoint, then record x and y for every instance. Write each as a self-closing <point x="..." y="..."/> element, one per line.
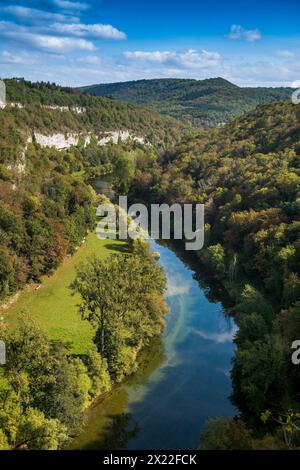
<point x="53" y="307"/>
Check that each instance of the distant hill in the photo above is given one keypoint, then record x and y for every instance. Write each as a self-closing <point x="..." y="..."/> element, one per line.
<point x="210" y="102"/>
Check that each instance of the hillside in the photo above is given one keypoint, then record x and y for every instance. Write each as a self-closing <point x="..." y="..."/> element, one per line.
<point x="48" y="109"/>
<point x="52" y="142"/>
<point x="247" y="175"/>
<point x="208" y="102"/>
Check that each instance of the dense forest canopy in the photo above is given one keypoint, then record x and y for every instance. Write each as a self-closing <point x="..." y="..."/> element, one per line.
<point x="208" y="102"/>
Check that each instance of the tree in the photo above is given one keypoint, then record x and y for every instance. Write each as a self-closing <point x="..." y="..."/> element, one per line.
<point x="37" y="432"/>
<point x="226" y="434"/>
<point x="121" y="297"/>
<point x="259" y="375"/>
<point x="123" y="170"/>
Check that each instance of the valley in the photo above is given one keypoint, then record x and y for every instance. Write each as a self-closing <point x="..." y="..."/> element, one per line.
<point x="90" y="334"/>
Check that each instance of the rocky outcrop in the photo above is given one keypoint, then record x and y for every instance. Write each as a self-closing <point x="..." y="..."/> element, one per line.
<point x="59" y="141"/>
<point x="74" y="109"/>
<point x="64" y="141"/>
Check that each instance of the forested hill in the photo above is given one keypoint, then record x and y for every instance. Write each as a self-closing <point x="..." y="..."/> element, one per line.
<point x="49" y="108"/>
<point x="208" y="102"/>
<point x="247" y="175"/>
<point x="52" y="142"/>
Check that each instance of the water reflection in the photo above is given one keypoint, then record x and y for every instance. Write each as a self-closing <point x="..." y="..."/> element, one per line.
<point x="183" y="379"/>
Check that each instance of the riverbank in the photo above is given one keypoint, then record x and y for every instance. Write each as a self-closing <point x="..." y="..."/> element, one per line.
<point x="183" y="377"/>
<point x="53" y="307"/>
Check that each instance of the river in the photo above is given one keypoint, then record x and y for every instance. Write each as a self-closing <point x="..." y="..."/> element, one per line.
<point x="183" y="379"/>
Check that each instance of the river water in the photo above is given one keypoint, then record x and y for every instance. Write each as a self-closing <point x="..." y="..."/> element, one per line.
<point x="183" y="379"/>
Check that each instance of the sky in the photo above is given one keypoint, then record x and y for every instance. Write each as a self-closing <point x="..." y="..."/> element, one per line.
<point x="82" y="42"/>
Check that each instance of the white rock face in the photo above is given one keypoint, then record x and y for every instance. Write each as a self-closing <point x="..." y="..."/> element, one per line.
<point x="78" y="109"/>
<point x="60" y="108"/>
<point x="2" y="94"/>
<point x="62" y="141"/>
<point x="59" y="141"/>
<point x="17" y="105"/>
<point x="74" y="109"/>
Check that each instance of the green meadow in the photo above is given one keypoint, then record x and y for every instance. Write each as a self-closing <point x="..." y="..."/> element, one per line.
<point x="53" y="307"/>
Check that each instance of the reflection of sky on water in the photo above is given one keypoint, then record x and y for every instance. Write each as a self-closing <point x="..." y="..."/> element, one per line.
<point x="225" y="337"/>
<point x="167" y="405"/>
<point x="193" y="383"/>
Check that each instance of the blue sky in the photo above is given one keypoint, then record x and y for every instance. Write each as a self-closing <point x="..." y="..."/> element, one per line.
<point x="79" y="42"/>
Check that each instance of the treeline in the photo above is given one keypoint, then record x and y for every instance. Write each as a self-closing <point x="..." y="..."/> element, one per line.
<point x="247" y="175"/>
<point x="44" y="391"/>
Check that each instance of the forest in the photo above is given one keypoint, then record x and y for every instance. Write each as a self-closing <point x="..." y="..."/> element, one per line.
<point x="245" y="173"/>
<point x="201" y="103"/>
<point x="47" y="208"/>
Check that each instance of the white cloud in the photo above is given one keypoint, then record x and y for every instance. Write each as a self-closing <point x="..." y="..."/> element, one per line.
<point x="33" y="14"/>
<point x="65" y="4"/>
<point x="104" y="31"/>
<point x="285" y="53"/>
<point x="152" y="56"/>
<point x="58" y="44"/>
<point x="43" y="42"/>
<point x="90" y="59"/>
<point x="7" y="57"/>
<point x="188" y="59"/>
<point x="238" y="32"/>
<point x="193" y="58"/>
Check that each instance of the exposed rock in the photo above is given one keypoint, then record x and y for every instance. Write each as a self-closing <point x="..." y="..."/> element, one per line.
<point x="59" y="141"/>
<point x="62" y="141"/>
<point x="74" y="109"/>
<point x="17" y="105"/>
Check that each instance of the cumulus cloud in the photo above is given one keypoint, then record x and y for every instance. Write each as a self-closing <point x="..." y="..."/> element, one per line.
<point x="188" y="59"/>
<point x="238" y="32"/>
<point x="58" y="44"/>
<point x="43" y="41"/>
<point x="33" y="14"/>
<point x="104" y="31"/>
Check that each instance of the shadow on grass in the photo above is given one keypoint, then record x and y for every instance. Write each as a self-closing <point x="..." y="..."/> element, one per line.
<point x="118" y="247"/>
